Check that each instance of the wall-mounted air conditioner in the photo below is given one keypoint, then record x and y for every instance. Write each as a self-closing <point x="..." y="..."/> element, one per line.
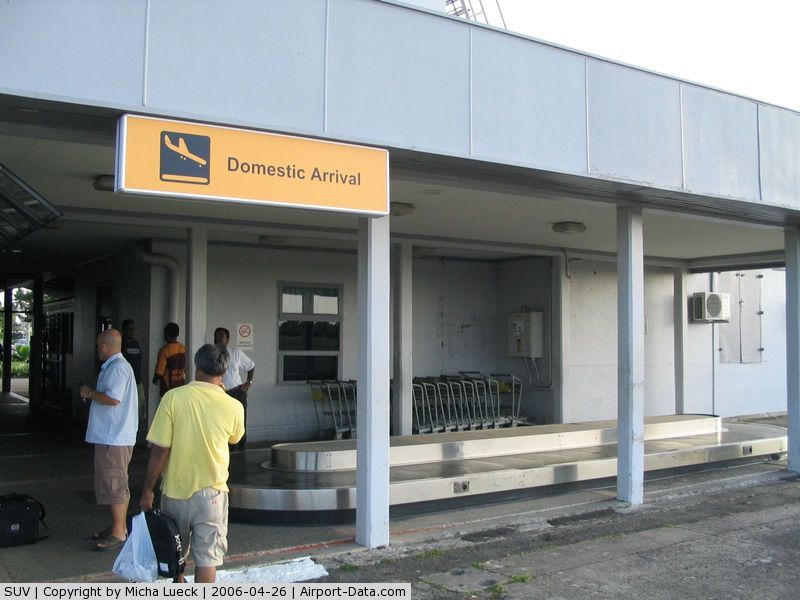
<point x="711" y="307"/>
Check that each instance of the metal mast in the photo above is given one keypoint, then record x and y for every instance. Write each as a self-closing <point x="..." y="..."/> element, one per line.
<point x="477" y="11"/>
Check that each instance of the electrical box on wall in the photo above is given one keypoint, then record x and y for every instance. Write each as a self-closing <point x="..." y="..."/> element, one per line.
<point x="526" y="334"/>
<point x="711" y="307"/>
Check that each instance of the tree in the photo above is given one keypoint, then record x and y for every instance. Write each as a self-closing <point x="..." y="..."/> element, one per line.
<point x="23" y="302"/>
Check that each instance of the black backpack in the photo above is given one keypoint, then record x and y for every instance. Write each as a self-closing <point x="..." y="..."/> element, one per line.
<point x="20" y="516"/>
<point x="166" y="542"/>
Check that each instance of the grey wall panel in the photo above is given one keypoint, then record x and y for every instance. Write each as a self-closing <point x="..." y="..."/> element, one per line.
<point x="720" y="144"/>
<point x="255" y="61"/>
<point x="779" y="137"/>
<point x="87" y="49"/>
<point x="398" y="77"/>
<point x="528" y="103"/>
<point x="634" y="125"/>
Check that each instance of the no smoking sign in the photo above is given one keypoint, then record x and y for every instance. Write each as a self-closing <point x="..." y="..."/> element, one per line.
<point x="244" y="335"/>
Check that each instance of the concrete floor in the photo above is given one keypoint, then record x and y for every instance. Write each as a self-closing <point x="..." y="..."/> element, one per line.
<point x="50" y="461"/>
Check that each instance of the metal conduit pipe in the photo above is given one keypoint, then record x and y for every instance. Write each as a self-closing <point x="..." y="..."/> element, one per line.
<point x="171" y="265"/>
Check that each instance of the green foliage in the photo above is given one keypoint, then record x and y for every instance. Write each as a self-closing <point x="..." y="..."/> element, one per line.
<point x="520" y="578"/>
<point x="18" y="369"/>
<point x="22" y="353"/>
<point x="435" y="553"/>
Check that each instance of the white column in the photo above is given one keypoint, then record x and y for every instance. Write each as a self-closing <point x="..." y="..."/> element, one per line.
<point x="372" y="446"/>
<point x="560" y="303"/>
<point x="630" y="350"/>
<point x="403" y="373"/>
<point x="196" y="282"/>
<point x="680" y="332"/>
<point x="792" y="248"/>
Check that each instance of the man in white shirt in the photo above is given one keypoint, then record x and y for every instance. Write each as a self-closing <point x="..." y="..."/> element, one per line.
<point x="113" y="422"/>
<point x="232" y="380"/>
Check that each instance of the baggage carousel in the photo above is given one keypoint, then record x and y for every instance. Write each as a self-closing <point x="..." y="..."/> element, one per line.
<point x="320" y="477"/>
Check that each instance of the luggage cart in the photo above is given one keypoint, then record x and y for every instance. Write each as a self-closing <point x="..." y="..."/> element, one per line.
<point x="510" y="397"/>
<point x="437" y="414"/>
<point x="493" y="388"/>
<point x="327" y="406"/>
<point x="463" y="394"/>
<point x="334" y="405"/>
<point x="447" y="406"/>
<point x="487" y="410"/>
<point x="319" y="398"/>
<point x="350" y="402"/>
<point x="422" y="420"/>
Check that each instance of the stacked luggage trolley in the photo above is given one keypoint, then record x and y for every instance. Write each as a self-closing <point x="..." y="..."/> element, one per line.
<point x="466" y="402"/>
<point x="335" y="406"/>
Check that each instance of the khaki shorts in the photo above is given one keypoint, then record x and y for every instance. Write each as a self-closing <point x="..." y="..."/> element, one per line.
<point x="203" y="523"/>
<point x="111" y="473"/>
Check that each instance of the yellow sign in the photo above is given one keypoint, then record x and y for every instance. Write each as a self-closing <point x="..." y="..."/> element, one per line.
<point x="175" y="158"/>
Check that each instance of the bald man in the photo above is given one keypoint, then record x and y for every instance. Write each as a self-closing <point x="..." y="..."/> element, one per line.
<point x="113" y="421"/>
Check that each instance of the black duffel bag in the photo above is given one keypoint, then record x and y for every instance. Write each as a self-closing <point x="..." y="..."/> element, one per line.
<point x="166" y="542"/>
<point x="20" y="516"/>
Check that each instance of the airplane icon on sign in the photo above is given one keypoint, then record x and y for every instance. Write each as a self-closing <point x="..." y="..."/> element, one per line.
<point x="183" y="150"/>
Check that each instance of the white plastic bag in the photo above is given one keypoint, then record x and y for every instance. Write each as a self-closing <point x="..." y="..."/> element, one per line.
<point x="137" y="559"/>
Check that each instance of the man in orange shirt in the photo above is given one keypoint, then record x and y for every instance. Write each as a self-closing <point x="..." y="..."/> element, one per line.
<point x="171" y="363"/>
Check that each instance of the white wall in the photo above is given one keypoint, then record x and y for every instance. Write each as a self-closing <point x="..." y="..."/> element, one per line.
<point x="590" y="369"/>
<point x="724" y="389"/>
<point x="243" y="288"/>
<point x="758" y="387"/>
<point x="454" y="316"/>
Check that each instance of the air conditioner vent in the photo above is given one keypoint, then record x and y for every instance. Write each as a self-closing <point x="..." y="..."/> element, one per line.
<point x="710" y="307"/>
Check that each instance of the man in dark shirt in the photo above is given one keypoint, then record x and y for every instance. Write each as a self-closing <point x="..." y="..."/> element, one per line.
<point x="133" y="354"/>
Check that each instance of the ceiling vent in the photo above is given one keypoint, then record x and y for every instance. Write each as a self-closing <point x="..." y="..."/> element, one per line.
<point x="711" y="307"/>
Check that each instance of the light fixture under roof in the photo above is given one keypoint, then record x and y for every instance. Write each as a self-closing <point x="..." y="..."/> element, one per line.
<point x="569" y="227"/>
<point x="401" y="209"/>
<point x="104" y="183"/>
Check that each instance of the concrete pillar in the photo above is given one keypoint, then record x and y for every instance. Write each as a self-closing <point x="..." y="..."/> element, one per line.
<point x="560" y="303"/>
<point x="8" y="323"/>
<point x="372" y="479"/>
<point x="37" y="337"/>
<point x="630" y="350"/>
<point x="196" y="291"/>
<point x="792" y="249"/>
<point x="680" y="333"/>
<point x="403" y="369"/>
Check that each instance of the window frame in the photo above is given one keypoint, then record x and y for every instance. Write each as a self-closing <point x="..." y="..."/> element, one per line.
<point x="308" y="317"/>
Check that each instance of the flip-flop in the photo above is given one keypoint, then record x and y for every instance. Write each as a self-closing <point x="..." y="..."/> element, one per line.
<point x="112" y="542"/>
<point x="102" y="534"/>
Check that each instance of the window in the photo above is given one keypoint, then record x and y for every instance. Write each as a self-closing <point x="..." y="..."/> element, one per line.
<point x="309" y="332"/>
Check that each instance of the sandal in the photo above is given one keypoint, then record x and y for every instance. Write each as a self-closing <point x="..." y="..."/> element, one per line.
<point x="112" y="542"/>
<point x="102" y="534"/>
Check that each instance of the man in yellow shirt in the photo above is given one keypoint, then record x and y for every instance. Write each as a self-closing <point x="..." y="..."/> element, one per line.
<point x="191" y="431"/>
